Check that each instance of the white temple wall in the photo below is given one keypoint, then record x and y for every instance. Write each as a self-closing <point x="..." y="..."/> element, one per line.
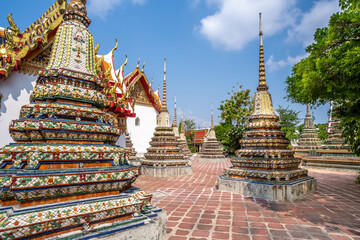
<point x="141" y="135"/>
<point x="16" y="92"/>
<point x="121" y="141"/>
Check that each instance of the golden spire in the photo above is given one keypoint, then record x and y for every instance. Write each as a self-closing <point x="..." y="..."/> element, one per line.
<point x="212" y="117"/>
<point x="262" y="79"/>
<point x="164" y="107"/>
<point x="175" y="120"/>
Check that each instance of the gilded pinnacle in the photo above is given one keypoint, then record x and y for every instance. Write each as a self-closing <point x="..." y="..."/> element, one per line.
<point x="164" y="107"/>
<point x="175" y="119"/>
<point x="212" y="117"/>
<point x="262" y="79"/>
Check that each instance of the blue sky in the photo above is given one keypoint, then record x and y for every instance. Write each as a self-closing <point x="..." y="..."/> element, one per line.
<point x="210" y="45"/>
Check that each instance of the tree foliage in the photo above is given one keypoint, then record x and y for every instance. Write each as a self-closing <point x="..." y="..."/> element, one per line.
<point x="289" y="119"/>
<point x="322" y="131"/>
<point x="190" y="125"/>
<point x="237" y="108"/>
<point x="331" y="72"/>
<point x="234" y="114"/>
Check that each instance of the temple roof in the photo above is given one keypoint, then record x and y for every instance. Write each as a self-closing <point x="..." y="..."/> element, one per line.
<point x="25" y="46"/>
<point x="130" y="81"/>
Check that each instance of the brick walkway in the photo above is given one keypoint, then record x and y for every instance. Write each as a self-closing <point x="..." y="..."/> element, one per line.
<point x="196" y="210"/>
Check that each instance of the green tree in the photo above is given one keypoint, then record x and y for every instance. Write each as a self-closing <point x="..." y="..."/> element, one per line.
<point x="190" y="126"/>
<point x="288" y="120"/>
<point x="238" y="107"/>
<point x="234" y="114"/>
<point x="331" y="72"/>
<point x="322" y="131"/>
<point x="300" y="128"/>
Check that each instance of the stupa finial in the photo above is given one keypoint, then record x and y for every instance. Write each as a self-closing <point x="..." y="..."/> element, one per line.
<point x="164" y="107"/>
<point x="212" y="116"/>
<point x="175" y="119"/>
<point x="262" y="79"/>
<point x="307" y="110"/>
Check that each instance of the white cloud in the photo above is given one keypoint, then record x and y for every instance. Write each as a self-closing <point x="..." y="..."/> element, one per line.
<point x="317" y="17"/>
<point x="273" y="65"/>
<point x="102" y="7"/>
<point x="236" y="21"/>
<point x="188" y="114"/>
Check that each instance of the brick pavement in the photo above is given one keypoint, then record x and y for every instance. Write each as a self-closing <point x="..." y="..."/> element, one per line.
<point x="197" y="210"/>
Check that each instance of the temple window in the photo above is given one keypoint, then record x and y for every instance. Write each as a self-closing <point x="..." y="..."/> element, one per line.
<point x="137" y="121"/>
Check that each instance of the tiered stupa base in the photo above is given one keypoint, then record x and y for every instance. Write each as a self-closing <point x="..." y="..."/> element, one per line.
<point x="150" y="224"/>
<point x="81" y="219"/>
<point x="281" y="191"/>
<point x="332" y="162"/>
<point x="333" y="156"/>
<point x="164" y="158"/>
<point x="212" y="151"/>
<point x="135" y="162"/>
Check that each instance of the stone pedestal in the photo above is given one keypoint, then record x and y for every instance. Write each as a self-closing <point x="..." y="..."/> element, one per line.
<point x="290" y="191"/>
<point x="166" y="171"/>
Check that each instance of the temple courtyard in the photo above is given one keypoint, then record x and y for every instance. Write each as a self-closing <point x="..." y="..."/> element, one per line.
<point x="197" y="210"/>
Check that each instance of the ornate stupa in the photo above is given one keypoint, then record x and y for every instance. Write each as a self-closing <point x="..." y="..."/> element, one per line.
<point x="65" y="177"/>
<point x="264" y="166"/>
<point x="335" y="143"/>
<point x="182" y="141"/>
<point x="164" y="157"/>
<point x="309" y="140"/>
<point x="211" y="150"/>
<point x="131" y="150"/>
<point x="334" y="154"/>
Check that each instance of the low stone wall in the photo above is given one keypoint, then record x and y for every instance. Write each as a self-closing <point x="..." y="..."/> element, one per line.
<point x="212" y="160"/>
<point x="166" y="171"/>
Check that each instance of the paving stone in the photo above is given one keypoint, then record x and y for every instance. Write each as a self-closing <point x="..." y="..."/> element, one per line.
<point x="240" y="237"/>
<point x="182" y="232"/>
<point x="186" y="225"/>
<point x="240" y="230"/>
<point x="222" y="228"/>
<point x="200" y="233"/>
<point x="204" y="227"/>
<point x="220" y="235"/>
<point x="260" y="238"/>
<point x="194" y="206"/>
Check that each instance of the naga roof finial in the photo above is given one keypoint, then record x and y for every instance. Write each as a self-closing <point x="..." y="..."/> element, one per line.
<point x="143" y="67"/>
<point x="115" y="48"/>
<point x="138" y="64"/>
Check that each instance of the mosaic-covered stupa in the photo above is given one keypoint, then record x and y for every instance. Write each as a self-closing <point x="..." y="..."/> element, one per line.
<point x="309" y="140"/>
<point x="164" y="157"/>
<point x="335" y="143"/>
<point x="131" y="150"/>
<point x="65" y="177"/>
<point x="334" y="154"/>
<point x="211" y="150"/>
<point x="182" y="141"/>
<point x="264" y="166"/>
